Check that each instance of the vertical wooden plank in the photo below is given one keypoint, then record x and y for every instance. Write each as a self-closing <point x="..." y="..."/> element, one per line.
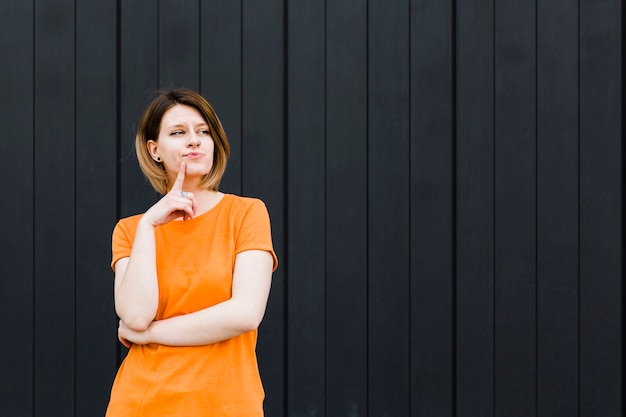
<point x="306" y="208"/>
<point x="388" y="209"/>
<point x="601" y="209"/>
<point x="220" y="76"/>
<point x="54" y="209"/>
<point x="139" y="74"/>
<point x="346" y="208"/>
<point x="139" y="80"/>
<point x="557" y="208"/>
<point x="96" y="126"/>
<point x="515" y="200"/>
<point x="475" y="208"/>
<point x="16" y="222"/>
<point x="432" y="209"/>
<point x="263" y="130"/>
<point x="179" y="44"/>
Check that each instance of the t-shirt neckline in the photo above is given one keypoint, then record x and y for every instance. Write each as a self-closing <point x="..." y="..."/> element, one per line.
<point x="202" y="215"/>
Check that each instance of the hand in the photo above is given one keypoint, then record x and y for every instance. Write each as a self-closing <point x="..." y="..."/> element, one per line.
<point x="130" y="337"/>
<point x="174" y="204"/>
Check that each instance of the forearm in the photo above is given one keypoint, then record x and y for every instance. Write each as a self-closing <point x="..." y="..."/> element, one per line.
<point x="137" y="291"/>
<point x="211" y="325"/>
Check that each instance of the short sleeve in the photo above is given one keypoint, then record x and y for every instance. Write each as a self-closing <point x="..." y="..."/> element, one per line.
<point x="255" y="232"/>
<point x="121" y="244"/>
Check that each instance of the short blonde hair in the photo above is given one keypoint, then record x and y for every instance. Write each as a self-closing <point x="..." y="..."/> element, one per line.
<point x="150" y="126"/>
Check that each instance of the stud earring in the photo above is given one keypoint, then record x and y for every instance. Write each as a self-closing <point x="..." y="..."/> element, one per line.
<point x="158" y="159"/>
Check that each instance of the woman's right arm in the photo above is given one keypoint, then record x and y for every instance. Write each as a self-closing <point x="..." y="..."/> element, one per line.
<point x="136" y="287"/>
<point x="136" y="284"/>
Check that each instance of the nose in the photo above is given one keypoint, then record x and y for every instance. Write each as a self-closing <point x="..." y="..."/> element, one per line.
<point x="193" y="140"/>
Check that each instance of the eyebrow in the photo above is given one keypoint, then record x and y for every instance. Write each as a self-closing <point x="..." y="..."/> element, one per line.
<point x="180" y="125"/>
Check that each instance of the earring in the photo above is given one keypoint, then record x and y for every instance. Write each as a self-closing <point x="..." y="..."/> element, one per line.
<point x="158" y="159"/>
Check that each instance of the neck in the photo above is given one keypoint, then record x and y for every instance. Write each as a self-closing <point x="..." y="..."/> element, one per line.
<point x="206" y="200"/>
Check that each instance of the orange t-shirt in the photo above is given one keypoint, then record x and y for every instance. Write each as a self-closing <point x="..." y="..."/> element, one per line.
<point x="195" y="261"/>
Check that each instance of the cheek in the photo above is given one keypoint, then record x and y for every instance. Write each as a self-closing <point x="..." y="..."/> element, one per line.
<point x="211" y="152"/>
<point x="171" y="172"/>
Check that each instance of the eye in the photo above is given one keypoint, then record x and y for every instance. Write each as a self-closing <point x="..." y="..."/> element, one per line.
<point x="204" y="132"/>
<point x="177" y="133"/>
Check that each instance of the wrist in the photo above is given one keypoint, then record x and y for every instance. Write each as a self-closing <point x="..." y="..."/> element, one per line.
<point x="145" y="223"/>
<point x="149" y="334"/>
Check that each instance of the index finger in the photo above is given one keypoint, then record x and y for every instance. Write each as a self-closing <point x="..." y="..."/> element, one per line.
<point x="180" y="179"/>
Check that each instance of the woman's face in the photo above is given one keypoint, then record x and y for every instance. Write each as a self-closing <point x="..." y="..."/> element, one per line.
<point x="184" y="136"/>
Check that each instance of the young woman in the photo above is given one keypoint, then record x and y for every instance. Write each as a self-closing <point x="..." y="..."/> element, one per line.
<point x="192" y="275"/>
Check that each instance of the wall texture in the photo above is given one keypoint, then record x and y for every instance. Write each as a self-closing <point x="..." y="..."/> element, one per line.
<point x="445" y="181"/>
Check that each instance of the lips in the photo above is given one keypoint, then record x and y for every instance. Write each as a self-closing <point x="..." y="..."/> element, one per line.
<point x="193" y="155"/>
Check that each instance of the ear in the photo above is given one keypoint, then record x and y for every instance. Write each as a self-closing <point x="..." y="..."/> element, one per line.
<point x="153" y="150"/>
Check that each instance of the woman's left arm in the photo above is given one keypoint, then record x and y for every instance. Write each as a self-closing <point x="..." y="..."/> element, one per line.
<point x="242" y="313"/>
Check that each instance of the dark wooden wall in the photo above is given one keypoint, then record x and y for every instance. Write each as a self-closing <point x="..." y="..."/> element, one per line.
<point x="445" y="181"/>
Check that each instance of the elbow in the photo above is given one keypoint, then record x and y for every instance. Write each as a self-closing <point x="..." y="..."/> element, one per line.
<point x="138" y="324"/>
<point x="249" y="326"/>
<point x="135" y="323"/>
<point x="251" y="322"/>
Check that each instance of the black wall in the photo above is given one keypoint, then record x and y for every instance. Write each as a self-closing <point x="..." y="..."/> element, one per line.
<point x="445" y="181"/>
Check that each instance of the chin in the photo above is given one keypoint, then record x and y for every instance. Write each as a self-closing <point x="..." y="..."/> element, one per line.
<point x="197" y="171"/>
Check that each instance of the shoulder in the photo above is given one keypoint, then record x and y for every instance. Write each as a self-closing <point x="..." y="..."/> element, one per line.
<point x="244" y="201"/>
<point x="243" y="210"/>
<point x="244" y="204"/>
<point x="130" y="220"/>
<point x="128" y="224"/>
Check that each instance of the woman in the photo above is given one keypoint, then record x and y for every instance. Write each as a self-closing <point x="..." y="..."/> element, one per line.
<point x="192" y="275"/>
